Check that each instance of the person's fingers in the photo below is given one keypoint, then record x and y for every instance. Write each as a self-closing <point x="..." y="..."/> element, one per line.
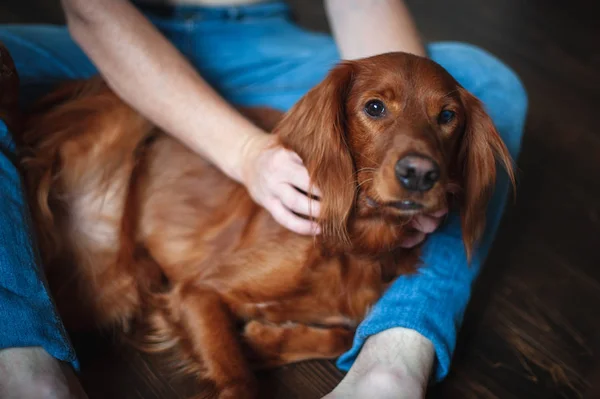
<point x="298" y="176"/>
<point x="298" y="202"/>
<point x="289" y="220"/>
<point x="295" y="157"/>
<point x="413" y="240"/>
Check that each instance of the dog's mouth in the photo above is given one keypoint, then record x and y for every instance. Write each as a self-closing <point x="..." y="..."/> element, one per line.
<point x="404" y="206"/>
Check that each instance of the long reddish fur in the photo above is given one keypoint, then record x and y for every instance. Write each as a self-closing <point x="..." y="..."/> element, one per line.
<point x="133" y="226"/>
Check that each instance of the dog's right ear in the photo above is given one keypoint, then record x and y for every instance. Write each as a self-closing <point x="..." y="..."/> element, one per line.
<point x="315" y="129"/>
<point x="481" y="148"/>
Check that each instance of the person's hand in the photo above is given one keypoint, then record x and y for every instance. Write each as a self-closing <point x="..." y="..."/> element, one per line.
<point x="423" y="225"/>
<point x="379" y="383"/>
<point x="273" y="176"/>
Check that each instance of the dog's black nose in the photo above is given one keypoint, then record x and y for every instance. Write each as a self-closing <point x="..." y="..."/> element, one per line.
<point x="417" y="172"/>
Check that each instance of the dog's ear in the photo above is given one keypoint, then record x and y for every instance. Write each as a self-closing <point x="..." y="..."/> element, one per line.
<point x="480" y="149"/>
<point x="315" y="129"/>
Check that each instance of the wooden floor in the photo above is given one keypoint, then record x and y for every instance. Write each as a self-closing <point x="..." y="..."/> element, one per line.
<point x="533" y="327"/>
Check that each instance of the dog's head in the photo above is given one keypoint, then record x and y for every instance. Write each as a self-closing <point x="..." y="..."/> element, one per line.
<point x="388" y="137"/>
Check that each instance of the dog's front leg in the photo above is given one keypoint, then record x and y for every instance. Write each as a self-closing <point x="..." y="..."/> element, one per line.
<point x="276" y="345"/>
<point x="210" y="330"/>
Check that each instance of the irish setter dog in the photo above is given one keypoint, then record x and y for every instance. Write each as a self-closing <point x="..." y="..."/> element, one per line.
<point x="134" y="226"/>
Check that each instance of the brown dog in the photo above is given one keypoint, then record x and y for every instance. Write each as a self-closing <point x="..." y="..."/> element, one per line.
<point x="133" y="225"/>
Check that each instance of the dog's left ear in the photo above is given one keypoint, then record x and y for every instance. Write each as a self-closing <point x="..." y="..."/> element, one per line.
<point x="480" y="149"/>
<point x="315" y="128"/>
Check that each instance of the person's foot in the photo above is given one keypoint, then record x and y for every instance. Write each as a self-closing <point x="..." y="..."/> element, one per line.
<point x="381" y="384"/>
<point x="395" y="363"/>
<point x="9" y="88"/>
<point x="31" y="373"/>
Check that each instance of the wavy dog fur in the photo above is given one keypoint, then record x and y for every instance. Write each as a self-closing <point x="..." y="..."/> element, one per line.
<point x="133" y="226"/>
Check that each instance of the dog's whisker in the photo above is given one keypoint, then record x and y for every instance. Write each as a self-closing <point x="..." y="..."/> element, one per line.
<point x="366" y="169"/>
<point x="367" y="158"/>
<point x="365" y="181"/>
<point x="450" y="93"/>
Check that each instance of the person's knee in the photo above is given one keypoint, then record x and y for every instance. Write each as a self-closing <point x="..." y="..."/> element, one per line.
<point x="494" y="75"/>
<point x="504" y="96"/>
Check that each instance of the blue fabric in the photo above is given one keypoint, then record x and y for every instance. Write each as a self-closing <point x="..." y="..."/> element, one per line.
<point x="255" y="55"/>
<point x="27" y="315"/>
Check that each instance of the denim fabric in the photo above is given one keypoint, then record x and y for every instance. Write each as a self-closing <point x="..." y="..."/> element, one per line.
<point x="255" y="55"/>
<point x="27" y="315"/>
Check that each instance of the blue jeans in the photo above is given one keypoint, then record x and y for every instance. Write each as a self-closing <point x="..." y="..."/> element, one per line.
<point x="253" y="55"/>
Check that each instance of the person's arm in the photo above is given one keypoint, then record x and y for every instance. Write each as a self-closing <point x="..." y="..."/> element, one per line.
<point x="363" y="28"/>
<point x="150" y="74"/>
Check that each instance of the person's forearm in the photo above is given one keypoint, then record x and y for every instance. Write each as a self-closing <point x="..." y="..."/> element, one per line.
<point x="364" y="28"/>
<point x="148" y="73"/>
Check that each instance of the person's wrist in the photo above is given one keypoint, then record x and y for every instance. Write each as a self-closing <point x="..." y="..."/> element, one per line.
<point x="241" y="163"/>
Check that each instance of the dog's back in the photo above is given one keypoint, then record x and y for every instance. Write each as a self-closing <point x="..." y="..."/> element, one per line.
<point x="79" y="156"/>
<point x="118" y="204"/>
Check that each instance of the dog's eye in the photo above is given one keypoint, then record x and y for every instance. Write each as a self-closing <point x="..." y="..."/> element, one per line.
<point x="446" y="116"/>
<point x="375" y="108"/>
